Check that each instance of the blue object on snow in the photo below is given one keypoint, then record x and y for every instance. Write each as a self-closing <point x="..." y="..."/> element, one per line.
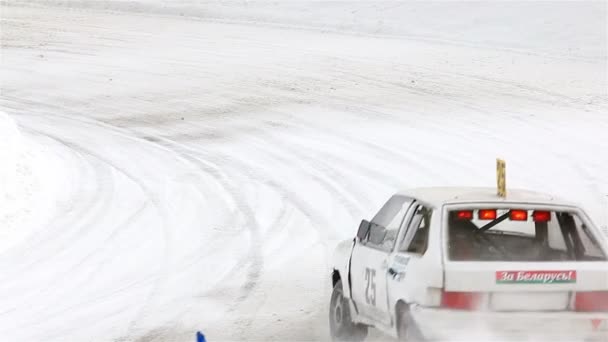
<point x="200" y="337"/>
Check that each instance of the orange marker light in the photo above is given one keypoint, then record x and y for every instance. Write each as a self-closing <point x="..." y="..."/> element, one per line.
<point x="464" y="214"/>
<point x="519" y="215"/>
<point x="541" y="216"/>
<point x="487" y="214"/>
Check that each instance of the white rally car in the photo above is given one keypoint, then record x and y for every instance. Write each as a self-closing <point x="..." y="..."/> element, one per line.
<point x="463" y="263"/>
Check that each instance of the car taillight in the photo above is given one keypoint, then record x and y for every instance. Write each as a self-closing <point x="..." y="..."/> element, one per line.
<point x="591" y="301"/>
<point x="487" y="214"/>
<point x="464" y="215"/>
<point x="518" y="215"/>
<point x="541" y="216"/>
<point x="461" y="300"/>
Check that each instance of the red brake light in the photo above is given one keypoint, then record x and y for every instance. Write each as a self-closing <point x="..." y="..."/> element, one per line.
<point x="591" y="301"/>
<point x="541" y="216"/>
<point x="519" y="215"/>
<point x="464" y="214"/>
<point x="487" y="214"/>
<point x="461" y="300"/>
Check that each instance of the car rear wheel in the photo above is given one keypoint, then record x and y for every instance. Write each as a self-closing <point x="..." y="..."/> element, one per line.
<point x="341" y="326"/>
<point x="407" y="330"/>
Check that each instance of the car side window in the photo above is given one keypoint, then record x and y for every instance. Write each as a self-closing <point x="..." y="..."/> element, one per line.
<point x="385" y="225"/>
<point x="417" y="236"/>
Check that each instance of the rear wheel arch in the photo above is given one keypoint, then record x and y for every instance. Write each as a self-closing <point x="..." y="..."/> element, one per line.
<point x="406" y="328"/>
<point x="400" y="306"/>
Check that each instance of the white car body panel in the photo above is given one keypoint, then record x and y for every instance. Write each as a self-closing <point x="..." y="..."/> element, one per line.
<point x="418" y="279"/>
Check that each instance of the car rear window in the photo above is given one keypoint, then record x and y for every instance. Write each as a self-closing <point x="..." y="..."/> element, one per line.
<point x="520" y="235"/>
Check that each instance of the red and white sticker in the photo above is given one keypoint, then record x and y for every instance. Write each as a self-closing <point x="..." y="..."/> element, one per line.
<point x="535" y="277"/>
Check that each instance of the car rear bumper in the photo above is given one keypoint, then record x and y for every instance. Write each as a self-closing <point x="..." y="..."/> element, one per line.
<point x="455" y="325"/>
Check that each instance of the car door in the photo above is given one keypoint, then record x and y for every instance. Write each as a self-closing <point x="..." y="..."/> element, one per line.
<point x="406" y="263"/>
<point x="369" y="262"/>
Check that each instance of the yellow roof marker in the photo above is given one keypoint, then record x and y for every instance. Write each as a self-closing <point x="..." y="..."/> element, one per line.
<point x="501" y="178"/>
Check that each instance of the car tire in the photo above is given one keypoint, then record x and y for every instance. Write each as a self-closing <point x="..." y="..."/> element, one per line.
<point x="407" y="330"/>
<point x="341" y="326"/>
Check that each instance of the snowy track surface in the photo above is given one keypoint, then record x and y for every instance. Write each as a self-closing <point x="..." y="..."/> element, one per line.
<point x="208" y="163"/>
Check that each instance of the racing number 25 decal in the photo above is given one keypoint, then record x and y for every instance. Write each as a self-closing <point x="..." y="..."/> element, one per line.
<point x="370" y="290"/>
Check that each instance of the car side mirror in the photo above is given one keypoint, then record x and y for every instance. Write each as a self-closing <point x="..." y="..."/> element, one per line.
<point x="364" y="227"/>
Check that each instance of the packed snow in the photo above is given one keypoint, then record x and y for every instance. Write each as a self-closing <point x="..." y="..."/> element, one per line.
<point x="186" y="165"/>
<point x="10" y="151"/>
<point x="30" y="181"/>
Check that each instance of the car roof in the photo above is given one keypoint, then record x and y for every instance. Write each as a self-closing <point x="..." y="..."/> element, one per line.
<point x="438" y="196"/>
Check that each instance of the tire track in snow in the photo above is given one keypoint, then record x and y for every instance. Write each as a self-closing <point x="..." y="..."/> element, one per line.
<point x="151" y="198"/>
<point x="253" y="260"/>
<point x="92" y="210"/>
<point x="89" y="213"/>
<point x="203" y="159"/>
